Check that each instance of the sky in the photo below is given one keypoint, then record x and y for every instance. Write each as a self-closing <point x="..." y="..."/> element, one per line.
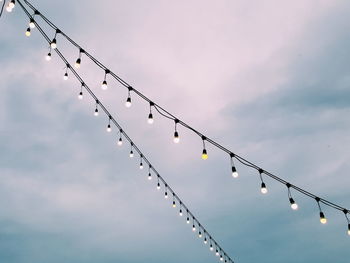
<point x="267" y="79"/>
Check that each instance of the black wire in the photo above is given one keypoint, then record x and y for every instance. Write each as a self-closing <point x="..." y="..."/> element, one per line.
<point x="2" y="8"/>
<point x="111" y="118"/>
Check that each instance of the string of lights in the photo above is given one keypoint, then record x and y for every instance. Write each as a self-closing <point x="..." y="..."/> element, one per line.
<point x="197" y="227"/>
<point x="205" y="139"/>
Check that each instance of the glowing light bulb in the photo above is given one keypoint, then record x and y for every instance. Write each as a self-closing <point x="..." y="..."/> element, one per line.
<point x="187" y="220"/>
<point x="174" y="204"/>
<point x="176" y="137"/>
<point x="263" y="188"/>
<point x="158" y="186"/>
<point x="65" y="76"/>
<point x="31" y="23"/>
<point x="128" y="102"/>
<point x="166" y="195"/>
<point x="141" y="166"/>
<point x="120" y="141"/>
<point x="180" y="213"/>
<point x="77" y="63"/>
<point x="221" y="258"/>
<point x="323" y="219"/>
<point x="234" y="172"/>
<point x="150" y="118"/>
<point x="211" y="247"/>
<point x="104" y="85"/>
<point x="349" y="229"/>
<point x="149" y="176"/>
<point x="205" y="240"/>
<point x="12" y="4"/>
<point x="193" y="228"/>
<point x="53" y="43"/>
<point x="48" y="56"/>
<point x="200" y="234"/>
<point x="80" y="96"/>
<point x="28" y="33"/>
<point x="131" y="154"/>
<point x="293" y="204"/>
<point x="217" y="253"/>
<point x="204" y="154"/>
<point x="109" y="128"/>
<point x="8" y="9"/>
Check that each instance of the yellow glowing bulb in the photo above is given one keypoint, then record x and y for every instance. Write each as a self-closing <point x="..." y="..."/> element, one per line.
<point x="11" y="4"/>
<point x="323" y="219"/>
<point x="28" y="33"/>
<point x="204" y="154"/>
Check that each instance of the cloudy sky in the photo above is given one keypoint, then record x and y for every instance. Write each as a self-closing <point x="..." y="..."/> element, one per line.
<point x="267" y="79"/>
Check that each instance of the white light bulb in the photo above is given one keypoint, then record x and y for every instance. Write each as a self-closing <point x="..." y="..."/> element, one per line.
<point x="176" y="137"/>
<point x="109" y="128"/>
<point x="48" y="57"/>
<point x="193" y="228"/>
<point x="211" y="248"/>
<point x="188" y="220"/>
<point x="234" y="172"/>
<point x="104" y="85"/>
<point x="166" y="195"/>
<point x="80" y="96"/>
<point x="31" y="24"/>
<point x="205" y="241"/>
<point x="11" y="4"/>
<point x="149" y="176"/>
<point x="128" y="102"/>
<point x="53" y="44"/>
<point x="180" y="213"/>
<point x="141" y="166"/>
<point x="150" y="118"/>
<point x="8" y="9"/>
<point x="263" y="188"/>
<point x="131" y="154"/>
<point x="294" y="206"/>
<point x="120" y="142"/>
<point x="217" y="253"/>
<point x="158" y="186"/>
<point x="65" y="76"/>
<point x="221" y="258"/>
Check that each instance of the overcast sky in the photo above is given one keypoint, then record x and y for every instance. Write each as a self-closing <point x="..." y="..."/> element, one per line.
<point x="267" y="79"/>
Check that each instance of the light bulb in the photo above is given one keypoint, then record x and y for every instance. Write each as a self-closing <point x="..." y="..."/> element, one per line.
<point x="217" y="253"/>
<point x="80" y="96"/>
<point x="174" y="204"/>
<point x="120" y="141"/>
<point x="149" y="176"/>
<point x="53" y="43"/>
<point x="77" y="63"/>
<point x="28" y="33"/>
<point x="205" y="240"/>
<point x="158" y="186"/>
<point x="166" y="195"/>
<point x="234" y="172"/>
<point x="141" y="166"/>
<point x="293" y="204"/>
<point x="193" y="228"/>
<point x="204" y="154"/>
<point x="31" y="23"/>
<point x="263" y="188"/>
<point x="109" y="128"/>
<point x="323" y="219"/>
<point x="104" y="85"/>
<point x="48" y="56"/>
<point x="176" y="137"/>
<point x="180" y="213"/>
<point x="12" y="4"/>
<point x="211" y="247"/>
<point x="150" y="118"/>
<point x="128" y="102"/>
<point x="221" y="258"/>
<point x="8" y="9"/>
<point x="131" y="154"/>
<point x="349" y="229"/>
<point x="65" y="76"/>
<point x="200" y="234"/>
<point x="188" y="220"/>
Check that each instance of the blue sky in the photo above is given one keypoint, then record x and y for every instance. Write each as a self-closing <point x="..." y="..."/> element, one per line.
<point x="268" y="79"/>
